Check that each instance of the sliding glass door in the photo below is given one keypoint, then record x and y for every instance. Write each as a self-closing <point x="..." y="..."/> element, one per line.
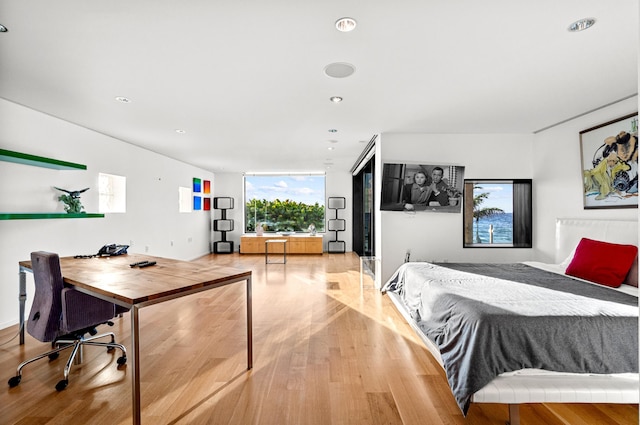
<point x="363" y="208"/>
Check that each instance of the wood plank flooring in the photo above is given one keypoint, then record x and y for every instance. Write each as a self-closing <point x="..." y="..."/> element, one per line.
<point x="325" y="352"/>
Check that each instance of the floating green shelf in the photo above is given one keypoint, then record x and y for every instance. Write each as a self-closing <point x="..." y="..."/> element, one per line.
<point x="38" y="161"/>
<point x="31" y="216"/>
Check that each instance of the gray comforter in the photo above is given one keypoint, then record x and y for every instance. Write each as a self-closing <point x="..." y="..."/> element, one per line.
<point x="496" y="318"/>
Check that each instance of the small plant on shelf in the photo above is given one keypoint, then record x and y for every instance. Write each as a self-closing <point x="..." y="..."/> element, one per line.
<point x="71" y="200"/>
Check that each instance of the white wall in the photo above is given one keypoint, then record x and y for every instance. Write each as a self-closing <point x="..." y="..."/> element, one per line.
<point x="340" y="184"/>
<point x="551" y="158"/>
<point x="231" y="184"/>
<point x="152" y="219"/>
<point x="435" y="236"/>
<point x="558" y="177"/>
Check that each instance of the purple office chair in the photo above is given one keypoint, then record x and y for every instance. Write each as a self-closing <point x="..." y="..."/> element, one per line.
<point x="63" y="315"/>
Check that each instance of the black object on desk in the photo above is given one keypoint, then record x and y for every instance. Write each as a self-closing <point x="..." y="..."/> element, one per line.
<point x="143" y="264"/>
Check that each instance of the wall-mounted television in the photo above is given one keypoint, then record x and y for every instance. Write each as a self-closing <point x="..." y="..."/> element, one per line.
<point x="422" y="187"/>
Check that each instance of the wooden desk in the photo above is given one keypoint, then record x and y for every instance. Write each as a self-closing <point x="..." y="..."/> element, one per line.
<point x="112" y="279"/>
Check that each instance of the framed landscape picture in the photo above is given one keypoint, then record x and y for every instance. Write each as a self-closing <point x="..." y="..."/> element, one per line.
<point x="609" y="159"/>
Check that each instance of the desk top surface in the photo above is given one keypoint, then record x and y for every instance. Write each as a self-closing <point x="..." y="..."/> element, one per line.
<point x="113" y="277"/>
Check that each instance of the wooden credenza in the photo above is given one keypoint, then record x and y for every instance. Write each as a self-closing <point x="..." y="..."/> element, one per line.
<point x="303" y="244"/>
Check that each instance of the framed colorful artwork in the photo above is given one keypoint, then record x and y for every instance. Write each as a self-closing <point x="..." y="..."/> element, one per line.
<point x="197" y="203"/>
<point x="197" y="185"/>
<point x="609" y="160"/>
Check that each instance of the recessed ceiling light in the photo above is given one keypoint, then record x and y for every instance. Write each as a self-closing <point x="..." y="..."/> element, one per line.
<point x="331" y="148"/>
<point x="335" y="99"/>
<point x="123" y="99"/>
<point x="333" y="141"/>
<point x="582" y="24"/>
<point x="3" y="28"/>
<point x="333" y="130"/>
<point x="339" y="69"/>
<point x="346" y="24"/>
<point x="180" y="131"/>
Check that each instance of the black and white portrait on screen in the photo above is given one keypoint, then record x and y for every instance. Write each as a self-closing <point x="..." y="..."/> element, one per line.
<point x="421" y="187"/>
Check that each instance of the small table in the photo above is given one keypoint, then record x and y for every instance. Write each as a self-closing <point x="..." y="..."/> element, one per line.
<point x="284" y="250"/>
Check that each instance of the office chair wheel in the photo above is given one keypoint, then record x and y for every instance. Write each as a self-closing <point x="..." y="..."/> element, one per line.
<point x="122" y="360"/>
<point x="54" y="356"/>
<point x="62" y="384"/>
<point x="14" y="381"/>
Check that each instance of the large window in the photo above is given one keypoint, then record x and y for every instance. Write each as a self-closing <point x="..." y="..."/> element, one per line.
<point x="498" y="213"/>
<point x="284" y="203"/>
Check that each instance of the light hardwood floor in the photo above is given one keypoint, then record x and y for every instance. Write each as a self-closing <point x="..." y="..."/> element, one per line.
<point x="325" y="352"/>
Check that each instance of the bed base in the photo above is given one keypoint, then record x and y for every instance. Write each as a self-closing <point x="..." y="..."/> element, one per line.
<point x="514" y="390"/>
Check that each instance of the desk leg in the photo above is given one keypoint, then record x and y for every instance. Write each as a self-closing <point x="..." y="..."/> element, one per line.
<point x="134" y="359"/>
<point x="249" y="326"/>
<point x="22" y="298"/>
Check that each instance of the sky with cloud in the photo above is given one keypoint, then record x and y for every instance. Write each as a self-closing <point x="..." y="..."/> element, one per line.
<point x="500" y="196"/>
<point x="308" y="189"/>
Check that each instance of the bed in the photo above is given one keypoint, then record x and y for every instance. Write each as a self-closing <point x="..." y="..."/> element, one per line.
<point x="527" y="332"/>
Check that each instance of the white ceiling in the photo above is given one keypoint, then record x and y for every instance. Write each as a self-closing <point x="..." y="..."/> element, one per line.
<point x="245" y="78"/>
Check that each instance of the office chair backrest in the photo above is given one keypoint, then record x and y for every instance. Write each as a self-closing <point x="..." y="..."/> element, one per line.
<point x="46" y="310"/>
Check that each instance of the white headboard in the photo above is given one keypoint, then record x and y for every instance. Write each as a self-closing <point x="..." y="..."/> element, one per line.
<point x="569" y="231"/>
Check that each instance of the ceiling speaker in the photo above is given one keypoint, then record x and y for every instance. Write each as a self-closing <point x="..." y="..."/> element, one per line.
<point x="339" y="69"/>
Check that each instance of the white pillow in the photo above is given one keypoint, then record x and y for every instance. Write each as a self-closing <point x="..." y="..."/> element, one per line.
<point x="565" y="263"/>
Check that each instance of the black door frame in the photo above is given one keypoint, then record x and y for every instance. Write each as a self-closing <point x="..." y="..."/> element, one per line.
<point x="358" y="230"/>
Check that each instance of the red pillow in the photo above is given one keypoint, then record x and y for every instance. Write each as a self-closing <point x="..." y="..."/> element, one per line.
<point x="602" y="262"/>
